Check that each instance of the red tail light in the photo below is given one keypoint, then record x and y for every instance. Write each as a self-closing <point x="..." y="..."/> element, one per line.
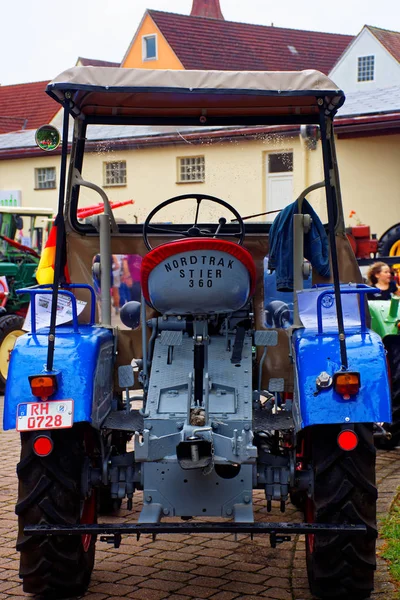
<point x="347" y="440"/>
<point x="346" y="384"/>
<point x="43" y="386"/>
<point x="43" y="445"/>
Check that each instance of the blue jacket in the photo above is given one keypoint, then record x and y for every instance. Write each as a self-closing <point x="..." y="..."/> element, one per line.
<point x="316" y="247"/>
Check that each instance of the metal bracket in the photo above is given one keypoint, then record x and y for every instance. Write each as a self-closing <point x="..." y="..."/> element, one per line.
<point x="238" y="345"/>
<point x="381" y="432"/>
<point x="112" y="539"/>
<point x="275" y="539"/>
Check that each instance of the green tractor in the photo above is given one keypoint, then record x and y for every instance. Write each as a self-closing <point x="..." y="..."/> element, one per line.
<point x="18" y="263"/>
<point x="385" y="320"/>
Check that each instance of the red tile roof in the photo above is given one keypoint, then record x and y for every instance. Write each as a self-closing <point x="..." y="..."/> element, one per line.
<point x="93" y="62"/>
<point x="203" y="43"/>
<point x="25" y="106"/>
<point x="389" y="39"/>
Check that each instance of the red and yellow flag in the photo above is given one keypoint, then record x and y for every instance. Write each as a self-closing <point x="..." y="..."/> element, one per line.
<point x="45" y="270"/>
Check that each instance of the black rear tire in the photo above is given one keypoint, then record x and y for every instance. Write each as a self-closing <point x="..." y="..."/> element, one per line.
<point x="388" y="240"/>
<point x="8" y="324"/>
<point x="49" y="492"/>
<point x="342" y="566"/>
<point x="392" y="346"/>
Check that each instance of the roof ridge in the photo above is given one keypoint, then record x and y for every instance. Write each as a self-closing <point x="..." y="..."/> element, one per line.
<point x="102" y="59"/>
<point x="382" y="29"/>
<point x="98" y="60"/>
<point x="10" y="85"/>
<point x="164" y="12"/>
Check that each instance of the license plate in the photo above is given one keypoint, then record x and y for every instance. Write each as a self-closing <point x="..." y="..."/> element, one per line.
<point x="34" y="416"/>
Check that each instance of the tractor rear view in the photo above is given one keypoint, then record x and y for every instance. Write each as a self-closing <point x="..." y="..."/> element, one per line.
<point x="197" y="405"/>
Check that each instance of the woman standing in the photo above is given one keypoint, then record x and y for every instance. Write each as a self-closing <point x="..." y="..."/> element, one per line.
<point x="380" y="277"/>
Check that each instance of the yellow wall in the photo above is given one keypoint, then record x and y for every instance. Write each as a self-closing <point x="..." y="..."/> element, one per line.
<point x="235" y="172"/>
<point x="370" y="180"/>
<point x="167" y="58"/>
<point x="19" y="174"/>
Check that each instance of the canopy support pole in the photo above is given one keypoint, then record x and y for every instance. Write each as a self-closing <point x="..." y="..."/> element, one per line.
<point x="332" y="214"/>
<point x="59" y="222"/>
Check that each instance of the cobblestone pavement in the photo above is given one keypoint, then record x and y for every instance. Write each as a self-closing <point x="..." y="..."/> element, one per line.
<point x="189" y="567"/>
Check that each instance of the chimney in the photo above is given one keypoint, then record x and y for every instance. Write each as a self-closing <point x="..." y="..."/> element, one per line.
<point x="207" y="8"/>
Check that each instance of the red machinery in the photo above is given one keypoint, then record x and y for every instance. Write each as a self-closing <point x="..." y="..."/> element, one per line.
<point x="361" y="241"/>
<point x="96" y="209"/>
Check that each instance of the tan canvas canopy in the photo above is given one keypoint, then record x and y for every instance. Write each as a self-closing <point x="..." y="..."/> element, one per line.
<point x="27" y="211"/>
<point x="103" y="93"/>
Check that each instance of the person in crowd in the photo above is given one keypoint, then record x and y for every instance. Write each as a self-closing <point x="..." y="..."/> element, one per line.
<point x="116" y="281"/>
<point x="380" y="277"/>
<point x="130" y="278"/>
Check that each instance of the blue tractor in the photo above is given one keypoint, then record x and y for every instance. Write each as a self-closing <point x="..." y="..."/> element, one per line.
<point x="196" y="404"/>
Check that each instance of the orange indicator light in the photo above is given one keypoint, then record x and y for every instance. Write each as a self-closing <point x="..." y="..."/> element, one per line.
<point x="347" y="384"/>
<point x="43" y="386"/>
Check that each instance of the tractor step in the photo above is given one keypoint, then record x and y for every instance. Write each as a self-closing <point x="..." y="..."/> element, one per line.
<point x="123" y="421"/>
<point x="267" y="421"/>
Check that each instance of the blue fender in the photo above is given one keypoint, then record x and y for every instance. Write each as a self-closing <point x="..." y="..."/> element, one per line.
<point x="83" y="362"/>
<point x="314" y="353"/>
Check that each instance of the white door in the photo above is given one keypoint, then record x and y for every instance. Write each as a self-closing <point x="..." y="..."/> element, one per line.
<point x="279" y="192"/>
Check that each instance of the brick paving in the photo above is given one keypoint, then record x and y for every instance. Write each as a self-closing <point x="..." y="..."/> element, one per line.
<point x="182" y="567"/>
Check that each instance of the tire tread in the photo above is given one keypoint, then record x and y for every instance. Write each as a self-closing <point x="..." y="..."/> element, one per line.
<point x="49" y="493"/>
<point x="342" y="566"/>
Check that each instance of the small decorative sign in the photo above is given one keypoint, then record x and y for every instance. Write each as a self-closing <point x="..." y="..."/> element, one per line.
<point x="10" y="198"/>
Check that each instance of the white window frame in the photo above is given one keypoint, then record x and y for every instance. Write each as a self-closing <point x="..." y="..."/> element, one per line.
<point x="193" y="166"/>
<point x="45" y="175"/>
<point x="144" y="47"/>
<point x="365" y="67"/>
<point x="277" y="152"/>
<point x="108" y="168"/>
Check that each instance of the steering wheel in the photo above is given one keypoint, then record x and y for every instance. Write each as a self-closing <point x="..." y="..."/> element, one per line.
<point x="194" y="230"/>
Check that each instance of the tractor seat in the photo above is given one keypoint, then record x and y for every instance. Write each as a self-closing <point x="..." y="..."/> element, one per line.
<point x="198" y="276"/>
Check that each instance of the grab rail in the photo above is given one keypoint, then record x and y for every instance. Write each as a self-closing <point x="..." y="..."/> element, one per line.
<point x="47" y="290"/>
<point x="361" y="289"/>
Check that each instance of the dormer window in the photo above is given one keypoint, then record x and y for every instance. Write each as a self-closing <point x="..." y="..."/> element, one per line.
<point x="149" y="47"/>
<point x="366" y="67"/>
